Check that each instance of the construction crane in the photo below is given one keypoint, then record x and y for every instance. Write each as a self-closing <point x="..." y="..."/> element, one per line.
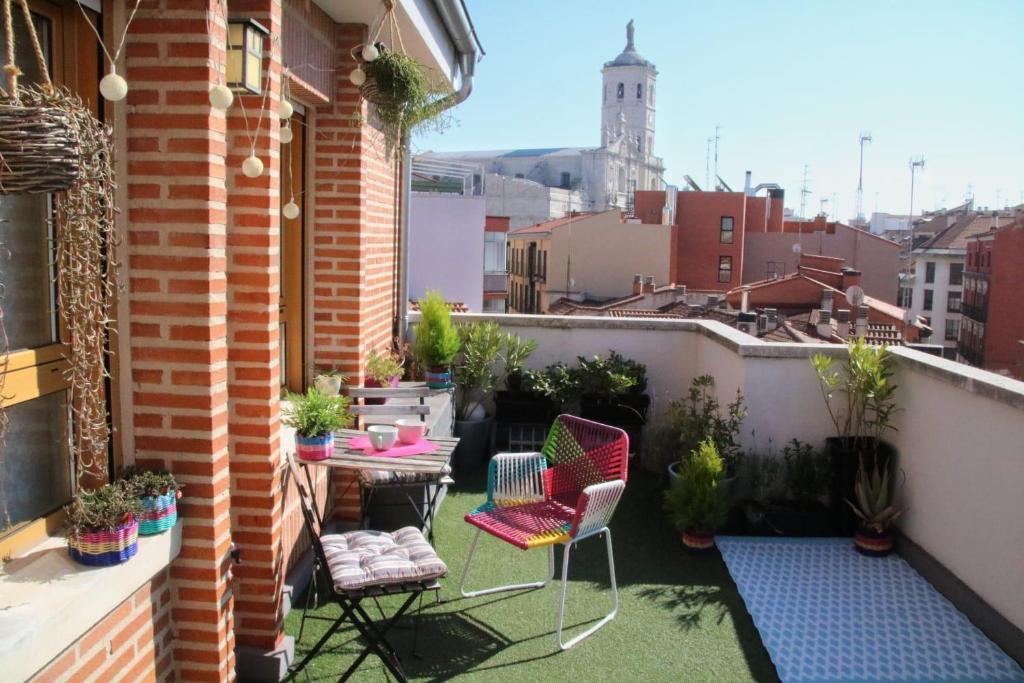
<point x="865" y="136"/>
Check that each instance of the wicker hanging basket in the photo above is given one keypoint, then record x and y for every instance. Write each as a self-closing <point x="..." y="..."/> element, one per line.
<point x="39" y="144"/>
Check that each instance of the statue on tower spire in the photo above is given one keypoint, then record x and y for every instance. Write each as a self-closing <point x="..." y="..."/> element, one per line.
<point x="629" y="35"/>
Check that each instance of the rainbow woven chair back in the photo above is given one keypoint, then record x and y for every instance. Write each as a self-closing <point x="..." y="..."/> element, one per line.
<point x="580" y="453"/>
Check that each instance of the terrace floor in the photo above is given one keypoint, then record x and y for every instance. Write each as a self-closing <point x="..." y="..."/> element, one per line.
<point x="680" y="617"/>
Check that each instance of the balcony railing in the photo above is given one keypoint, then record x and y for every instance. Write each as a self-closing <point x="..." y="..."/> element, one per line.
<point x="974" y="312"/>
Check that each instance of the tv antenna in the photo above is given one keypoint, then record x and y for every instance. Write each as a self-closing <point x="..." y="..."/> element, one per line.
<point x="717" y="138"/>
<point x="916" y="164"/>
<point x="865" y="136"/>
<point x="804" y="191"/>
<point x="707" y="164"/>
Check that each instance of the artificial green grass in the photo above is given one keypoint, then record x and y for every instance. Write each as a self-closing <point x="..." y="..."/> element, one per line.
<point x="680" y="615"/>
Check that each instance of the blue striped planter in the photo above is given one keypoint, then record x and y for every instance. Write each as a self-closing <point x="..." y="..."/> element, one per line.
<point x="438" y="378"/>
<point x="159" y="514"/>
<point x="314" y="447"/>
<point x="105" y="548"/>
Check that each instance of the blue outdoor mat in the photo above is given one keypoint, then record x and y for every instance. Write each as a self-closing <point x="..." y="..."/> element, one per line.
<point x="826" y="613"/>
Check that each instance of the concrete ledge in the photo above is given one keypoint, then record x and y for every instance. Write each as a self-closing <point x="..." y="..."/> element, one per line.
<point x="262" y="666"/>
<point x="48" y="601"/>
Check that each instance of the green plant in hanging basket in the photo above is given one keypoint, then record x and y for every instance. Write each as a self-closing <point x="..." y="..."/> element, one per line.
<point x="404" y="96"/>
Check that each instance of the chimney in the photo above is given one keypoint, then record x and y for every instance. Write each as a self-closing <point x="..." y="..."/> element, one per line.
<point x="851" y="277"/>
<point x="745" y="299"/>
<point x="746" y="185"/>
<point x="638" y="286"/>
<point x="826" y="300"/>
<point x="648" y="285"/>
<point x="843" y="322"/>
<point x="862" y="322"/>
<point x="771" y="318"/>
<point x="824" y="326"/>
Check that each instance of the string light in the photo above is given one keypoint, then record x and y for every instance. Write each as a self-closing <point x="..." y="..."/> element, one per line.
<point x="370" y="52"/>
<point x="286" y="135"/>
<point x="291" y="210"/>
<point x="357" y="76"/>
<point x="285" y="109"/>
<point x="252" y="166"/>
<point x="113" y="87"/>
<point x="221" y="97"/>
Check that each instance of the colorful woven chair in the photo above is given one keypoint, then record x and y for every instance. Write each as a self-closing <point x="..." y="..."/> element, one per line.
<point x="564" y="494"/>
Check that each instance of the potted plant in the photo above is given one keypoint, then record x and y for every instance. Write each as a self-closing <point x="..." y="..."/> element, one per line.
<point x="329" y="381"/>
<point x="436" y="341"/>
<point x="874" y="508"/>
<point x="696" y="503"/>
<point x="315" y="417"/>
<point x="860" y="401"/>
<point x="475" y="378"/>
<point x="103" y="525"/>
<point x="382" y="370"/>
<point x="787" y="493"/>
<point x="158" y="493"/>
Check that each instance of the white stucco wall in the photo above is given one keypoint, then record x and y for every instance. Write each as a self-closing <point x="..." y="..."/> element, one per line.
<point x="526" y="202"/>
<point x="940" y="293"/>
<point x="446" y="247"/>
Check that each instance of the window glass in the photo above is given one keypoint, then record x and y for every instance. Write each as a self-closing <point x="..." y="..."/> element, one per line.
<point x="724" y="268"/>
<point x="621" y="91"/>
<point x="494" y="252"/>
<point x="956" y="273"/>
<point x="929" y="272"/>
<point x="725" y="234"/>
<point x="927" y="300"/>
<point x="953" y="302"/>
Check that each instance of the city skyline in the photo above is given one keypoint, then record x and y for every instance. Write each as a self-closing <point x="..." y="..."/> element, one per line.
<point x="790" y="86"/>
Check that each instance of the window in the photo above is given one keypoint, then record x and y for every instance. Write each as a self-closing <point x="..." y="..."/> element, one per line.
<point x="953" y="302"/>
<point x="650" y="95"/>
<point x="906" y="297"/>
<point x="494" y="252"/>
<point x="566" y="180"/>
<point x="927" y="300"/>
<point x="639" y="91"/>
<point x="725" y="230"/>
<point x="929" y="272"/>
<point x="621" y="91"/>
<point x="956" y="273"/>
<point x="725" y="268"/>
<point x="952" y="330"/>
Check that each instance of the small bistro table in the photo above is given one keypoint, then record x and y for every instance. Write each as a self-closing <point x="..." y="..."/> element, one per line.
<point x="429" y="469"/>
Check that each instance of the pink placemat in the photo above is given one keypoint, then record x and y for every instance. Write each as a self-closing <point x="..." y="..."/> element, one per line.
<point x="362" y="443"/>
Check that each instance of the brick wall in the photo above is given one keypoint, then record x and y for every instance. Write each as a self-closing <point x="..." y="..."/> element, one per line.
<point x="177" y="309"/>
<point x="132" y="643"/>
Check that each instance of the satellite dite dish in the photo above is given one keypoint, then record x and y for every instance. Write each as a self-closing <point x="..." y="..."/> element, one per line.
<point x="855" y="295"/>
<point x="797" y="248"/>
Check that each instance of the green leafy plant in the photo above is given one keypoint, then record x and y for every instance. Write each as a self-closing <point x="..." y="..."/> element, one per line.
<point x="697" y="500"/>
<point x="436" y="341"/>
<point x="874" y="499"/>
<point x="102" y="509"/>
<point x="381" y="367"/>
<point x="315" y="413"/>
<point x="474" y="373"/>
<point x="517" y="352"/>
<point x="859" y="397"/>
<point x="331" y="372"/>
<point x="601" y="377"/>
<point x="807" y="471"/>
<point x="149" y="482"/>
<point x="767" y="483"/>
<point x="555" y="382"/>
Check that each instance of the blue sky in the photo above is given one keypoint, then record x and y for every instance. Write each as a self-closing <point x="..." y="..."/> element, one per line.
<point x="788" y="82"/>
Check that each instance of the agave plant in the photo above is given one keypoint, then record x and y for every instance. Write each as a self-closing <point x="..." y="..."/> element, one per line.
<point x="874" y="504"/>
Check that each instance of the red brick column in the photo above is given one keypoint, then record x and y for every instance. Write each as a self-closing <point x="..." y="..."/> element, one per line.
<point x="177" y="326"/>
<point x="253" y="278"/>
<point x="355" y="231"/>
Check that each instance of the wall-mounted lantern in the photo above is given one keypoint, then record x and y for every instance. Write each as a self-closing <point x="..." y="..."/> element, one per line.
<point x="245" y="54"/>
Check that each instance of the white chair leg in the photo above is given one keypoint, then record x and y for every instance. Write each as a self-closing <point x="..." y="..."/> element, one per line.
<point x="615" y="594"/>
<point x="510" y="587"/>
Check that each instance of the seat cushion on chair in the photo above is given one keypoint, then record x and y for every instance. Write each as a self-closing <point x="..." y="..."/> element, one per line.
<point x="527" y="525"/>
<point x="361" y="559"/>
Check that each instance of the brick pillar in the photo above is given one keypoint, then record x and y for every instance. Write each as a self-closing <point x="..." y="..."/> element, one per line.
<point x="176" y="320"/>
<point x="253" y="272"/>
<point x="355" y="231"/>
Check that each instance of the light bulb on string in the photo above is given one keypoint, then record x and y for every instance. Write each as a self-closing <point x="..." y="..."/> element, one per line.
<point x="252" y="166"/>
<point x="285" y="109"/>
<point x="370" y="52"/>
<point x="221" y="97"/>
<point x="113" y="87"/>
<point x="291" y="210"/>
<point x="357" y="76"/>
<point x="285" y="135"/>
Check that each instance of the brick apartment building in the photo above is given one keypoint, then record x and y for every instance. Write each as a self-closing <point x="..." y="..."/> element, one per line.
<point x="224" y="304"/>
<point x="992" y="328"/>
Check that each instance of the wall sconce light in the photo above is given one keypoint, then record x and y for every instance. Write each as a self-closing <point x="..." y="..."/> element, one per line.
<point x="245" y="54"/>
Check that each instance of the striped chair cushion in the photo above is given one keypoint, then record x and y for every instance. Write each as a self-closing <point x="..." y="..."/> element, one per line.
<point x="359" y="559"/>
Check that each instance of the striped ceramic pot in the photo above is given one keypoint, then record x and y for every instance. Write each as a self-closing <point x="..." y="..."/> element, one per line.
<point x="314" y="447"/>
<point x="438" y="378"/>
<point x="698" y="540"/>
<point x="105" y="547"/>
<point x="159" y="513"/>
<point x="872" y="543"/>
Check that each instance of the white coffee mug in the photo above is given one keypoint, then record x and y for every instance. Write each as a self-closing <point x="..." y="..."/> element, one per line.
<point x="382" y="437"/>
<point x="410" y="430"/>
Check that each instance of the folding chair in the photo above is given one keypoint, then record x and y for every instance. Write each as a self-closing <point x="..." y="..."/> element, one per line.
<point x="367" y="564"/>
<point x="564" y="494"/>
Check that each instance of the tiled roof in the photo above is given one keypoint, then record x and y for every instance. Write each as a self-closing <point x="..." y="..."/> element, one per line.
<point x="956" y="235"/>
<point x="455" y="306"/>
<point x="547" y="226"/>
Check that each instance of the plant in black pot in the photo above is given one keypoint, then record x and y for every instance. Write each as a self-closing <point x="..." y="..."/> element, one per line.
<point x="475" y="377"/>
<point x="874" y="508"/>
<point x="613" y="391"/>
<point x="520" y="401"/>
<point x="696" y="503"/>
<point x="787" y="493"/>
<point x="860" y="398"/>
<point x="436" y="341"/>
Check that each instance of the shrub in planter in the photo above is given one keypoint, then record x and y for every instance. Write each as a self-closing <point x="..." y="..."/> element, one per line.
<point x="476" y="375"/>
<point x="787" y="492"/>
<point x="860" y="399"/>
<point x="697" y="503"/>
<point x="382" y="370"/>
<point x="315" y="417"/>
<point x="874" y="507"/>
<point x="103" y="525"/>
<point x="436" y="341"/>
<point x="158" y="492"/>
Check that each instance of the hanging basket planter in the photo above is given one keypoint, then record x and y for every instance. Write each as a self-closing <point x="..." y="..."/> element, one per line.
<point x="39" y="149"/>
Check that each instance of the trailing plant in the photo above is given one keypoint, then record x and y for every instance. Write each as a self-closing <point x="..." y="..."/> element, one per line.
<point x="807" y="471"/>
<point x="436" y="341"/>
<point x="315" y="413"/>
<point x="874" y="499"/>
<point x="475" y="373"/>
<point x="381" y="367"/>
<point x="859" y="397"/>
<point x="697" y="499"/>
<point x="149" y="482"/>
<point x="102" y="509"/>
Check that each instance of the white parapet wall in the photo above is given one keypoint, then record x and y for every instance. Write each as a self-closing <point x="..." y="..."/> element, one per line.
<point x="959" y="433"/>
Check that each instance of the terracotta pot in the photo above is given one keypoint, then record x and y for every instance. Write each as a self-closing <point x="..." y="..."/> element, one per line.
<point x="314" y="447"/>
<point x="872" y="543"/>
<point x="698" y="540"/>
